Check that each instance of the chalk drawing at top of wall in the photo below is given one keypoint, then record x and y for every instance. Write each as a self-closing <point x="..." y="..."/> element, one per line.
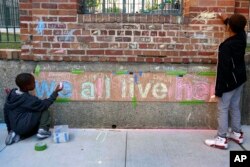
<point x="90" y="86"/>
<point x="203" y="17"/>
<point x="40" y="27"/>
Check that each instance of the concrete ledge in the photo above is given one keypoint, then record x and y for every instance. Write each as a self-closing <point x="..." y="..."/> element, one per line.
<point x="121" y="114"/>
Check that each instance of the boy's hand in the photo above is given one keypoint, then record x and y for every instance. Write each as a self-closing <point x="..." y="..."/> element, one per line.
<point x="213" y="98"/>
<point x="59" y="87"/>
<point x="223" y="17"/>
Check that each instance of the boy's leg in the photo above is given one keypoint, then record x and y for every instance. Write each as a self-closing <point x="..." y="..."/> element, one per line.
<point x="43" y="131"/>
<point x="45" y="120"/>
<point x="235" y="110"/>
<point x="236" y="134"/>
<point x="223" y="107"/>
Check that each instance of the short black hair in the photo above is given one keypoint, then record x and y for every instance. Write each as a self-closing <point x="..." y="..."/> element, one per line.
<point x="237" y="22"/>
<point x="24" y="79"/>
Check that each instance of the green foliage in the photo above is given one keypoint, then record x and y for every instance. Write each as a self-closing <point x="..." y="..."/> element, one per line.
<point x="149" y="7"/>
<point x="11" y="44"/>
<point x="92" y="3"/>
<point x="114" y="8"/>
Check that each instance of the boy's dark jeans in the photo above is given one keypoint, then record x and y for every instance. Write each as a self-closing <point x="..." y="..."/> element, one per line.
<point x="45" y="120"/>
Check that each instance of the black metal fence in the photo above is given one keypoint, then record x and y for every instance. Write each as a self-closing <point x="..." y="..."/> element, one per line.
<point x="162" y="7"/>
<point x="9" y="21"/>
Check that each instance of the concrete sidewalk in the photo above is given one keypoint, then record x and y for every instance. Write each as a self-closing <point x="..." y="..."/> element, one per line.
<point x="121" y="148"/>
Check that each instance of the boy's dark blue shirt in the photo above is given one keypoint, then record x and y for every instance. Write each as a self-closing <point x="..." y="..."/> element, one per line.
<point x="231" y="69"/>
<point x="22" y="112"/>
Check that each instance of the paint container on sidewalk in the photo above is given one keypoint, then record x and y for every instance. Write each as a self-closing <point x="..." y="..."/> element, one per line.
<point x="61" y="133"/>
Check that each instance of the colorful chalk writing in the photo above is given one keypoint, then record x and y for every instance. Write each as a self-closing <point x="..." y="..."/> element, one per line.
<point x="105" y="86"/>
<point x="40" y="27"/>
<point x="37" y="70"/>
<point x="45" y="89"/>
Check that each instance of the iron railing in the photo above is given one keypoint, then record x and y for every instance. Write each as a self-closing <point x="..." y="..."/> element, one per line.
<point x="162" y="7"/>
<point x="9" y="21"/>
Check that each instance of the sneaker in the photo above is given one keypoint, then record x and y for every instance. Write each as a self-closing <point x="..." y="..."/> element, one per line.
<point x="237" y="137"/>
<point x="11" y="138"/>
<point x="218" y="142"/>
<point x="43" y="134"/>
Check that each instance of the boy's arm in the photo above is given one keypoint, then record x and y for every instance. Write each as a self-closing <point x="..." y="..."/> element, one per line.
<point x="224" y="68"/>
<point x="224" y="18"/>
<point x="36" y="104"/>
<point x="6" y="119"/>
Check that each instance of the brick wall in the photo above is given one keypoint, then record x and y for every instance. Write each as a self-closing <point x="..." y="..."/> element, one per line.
<point x="51" y="30"/>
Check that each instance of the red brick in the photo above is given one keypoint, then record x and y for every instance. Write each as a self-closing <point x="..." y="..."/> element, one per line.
<point x="48" y="6"/>
<point x="128" y="52"/>
<point x="3" y="54"/>
<point x="104" y="45"/>
<point x="65" y="45"/>
<point x="206" y="53"/>
<point x="67" y="6"/>
<point x="67" y="19"/>
<point x="113" y="52"/>
<point x="25" y="6"/>
<point x="23" y="25"/>
<point x="84" y="58"/>
<point x="226" y="3"/>
<point x="40" y="1"/>
<point x="46" y="45"/>
<point x="131" y="59"/>
<point x="242" y="11"/>
<point x="111" y="32"/>
<point x="66" y="58"/>
<point x="39" y="51"/>
<point x="26" y="57"/>
<point x="40" y="12"/>
<point x="159" y="60"/>
<point x="162" y="33"/>
<point x="59" y="1"/>
<point x="151" y="53"/>
<point x="188" y="53"/>
<point x="76" y="58"/>
<point x="25" y="18"/>
<point x="140" y="59"/>
<point x="55" y="45"/>
<point x="94" y="45"/>
<point x="95" y="52"/>
<point x="80" y="52"/>
<point x="64" y="12"/>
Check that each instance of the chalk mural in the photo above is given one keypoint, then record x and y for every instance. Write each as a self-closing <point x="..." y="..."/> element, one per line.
<point x="40" y="27"/>
<point x="90" y="86"/>
<point x="204" y="17"/>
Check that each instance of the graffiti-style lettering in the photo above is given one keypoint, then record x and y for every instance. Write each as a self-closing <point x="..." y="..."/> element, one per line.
<point x="88" y="90"/>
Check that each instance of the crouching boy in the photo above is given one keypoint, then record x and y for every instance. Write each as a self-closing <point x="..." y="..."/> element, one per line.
<point x="25" y="114"/>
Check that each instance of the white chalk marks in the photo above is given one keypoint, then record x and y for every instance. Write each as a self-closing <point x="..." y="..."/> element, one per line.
<point x="204" y="16"/>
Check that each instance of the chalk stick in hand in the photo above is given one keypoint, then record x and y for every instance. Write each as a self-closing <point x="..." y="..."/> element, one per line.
<point x="60" y="85"/>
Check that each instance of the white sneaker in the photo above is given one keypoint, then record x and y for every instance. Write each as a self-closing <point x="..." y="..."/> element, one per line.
<point x="218" y="142"/>
<point x="11" y="138"/>
<point x="43" y="134"/>
<point x="237" y="137"/>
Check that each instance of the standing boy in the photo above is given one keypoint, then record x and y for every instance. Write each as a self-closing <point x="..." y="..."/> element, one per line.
<point x="26" y="114"/>
<point x="231" y="76"/>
